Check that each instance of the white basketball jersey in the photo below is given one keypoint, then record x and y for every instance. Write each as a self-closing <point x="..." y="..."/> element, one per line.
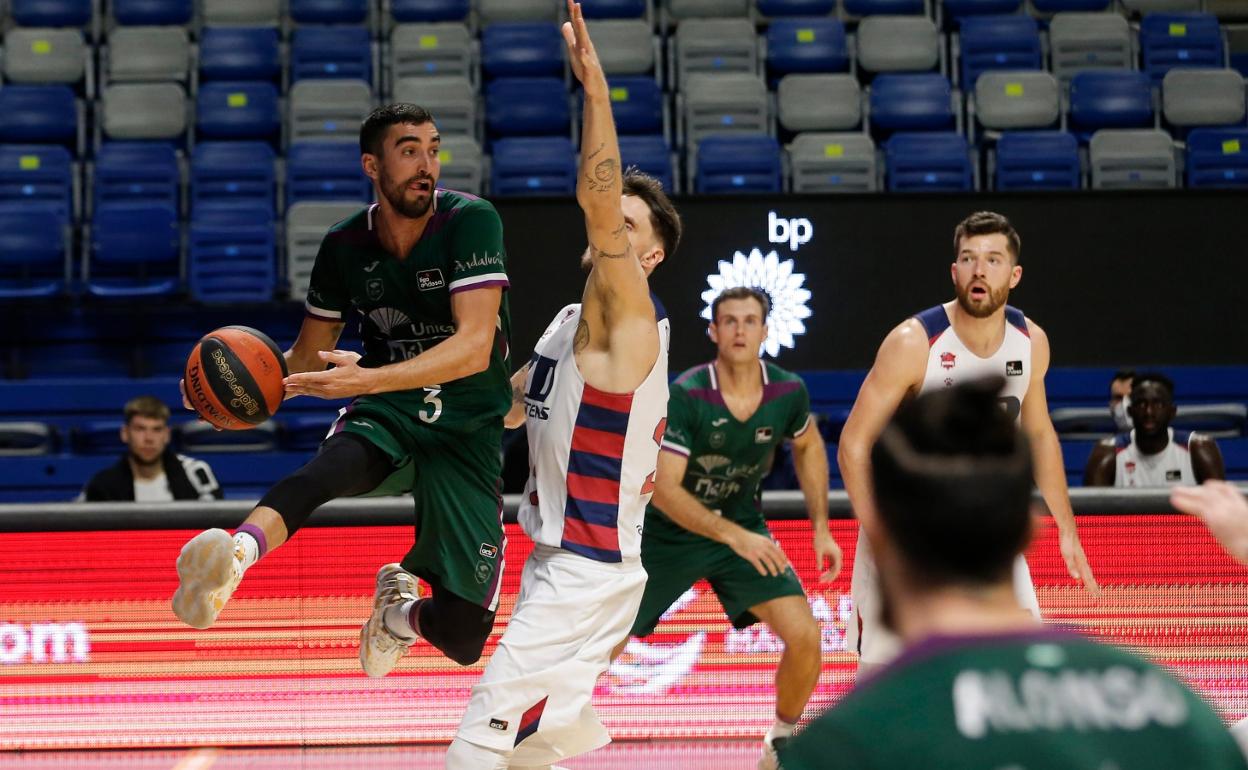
<point x="1170" y="466"/>
<point x="950" y="362"/>
<point x="592" y="454"/>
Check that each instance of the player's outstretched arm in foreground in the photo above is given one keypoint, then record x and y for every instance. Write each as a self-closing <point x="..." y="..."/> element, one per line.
<point x="810" y="460"/>
<point x="1050" y="472"/>
<point x="1223" y="509"/>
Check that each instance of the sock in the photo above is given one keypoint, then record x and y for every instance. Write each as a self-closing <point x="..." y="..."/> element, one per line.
<point x="249" y="544"/>
<point x="780" y="729"/>
<point x="401" y="620"/>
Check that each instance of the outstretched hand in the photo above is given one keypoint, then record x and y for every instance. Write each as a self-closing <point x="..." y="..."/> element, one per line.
<point x="581" y="54"/>
<point x="347" y="378"/>
<point x="1077" y="562"/>
<point x="1223" y="509"/>
<point x="827" y="549"/>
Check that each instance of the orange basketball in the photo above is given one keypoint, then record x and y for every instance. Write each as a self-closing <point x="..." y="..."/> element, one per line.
<point x="234" y="377"/>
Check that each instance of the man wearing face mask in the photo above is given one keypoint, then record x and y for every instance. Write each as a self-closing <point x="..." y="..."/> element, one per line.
<point x="1120" y="399"/>
<point x="1152" y="454"/>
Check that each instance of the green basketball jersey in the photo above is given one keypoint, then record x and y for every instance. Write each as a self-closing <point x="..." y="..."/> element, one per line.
<point x="404" y="305"/>
<point x="728" y="458"/>
<point x="1038" y="700"/>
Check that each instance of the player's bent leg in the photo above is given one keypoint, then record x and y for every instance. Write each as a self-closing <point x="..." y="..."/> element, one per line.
<point x="381" y="649"/>
<point x="790" y="618"/>
<point x="211" y="564"/>
<point x="400" y="616"/>
<point x="453" y="624"/>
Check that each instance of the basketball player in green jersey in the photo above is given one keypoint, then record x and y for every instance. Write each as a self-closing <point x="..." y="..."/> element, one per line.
<point x="982" y="685"/>
<point x="423" y="271"/>
<point x="724" y="422"/>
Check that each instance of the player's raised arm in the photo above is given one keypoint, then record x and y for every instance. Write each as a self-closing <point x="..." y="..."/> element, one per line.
<point x="617" y="279"/>
<point x="898" y="369"/>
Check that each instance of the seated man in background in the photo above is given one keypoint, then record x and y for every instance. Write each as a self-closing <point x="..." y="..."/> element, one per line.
<point x="150" y="471"/>
<point x="1120" y="399"/>
<point x="982" y="684"/>
<point x="1153" y="454"/>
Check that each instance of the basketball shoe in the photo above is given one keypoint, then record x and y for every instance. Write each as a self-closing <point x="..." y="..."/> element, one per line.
<point x="380" y="649"/>
<point x="209" y="569"/>
<point x="770" y="760"/>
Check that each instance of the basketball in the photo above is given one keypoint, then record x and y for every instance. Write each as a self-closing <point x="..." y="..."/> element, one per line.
<point x="234" y="377"/>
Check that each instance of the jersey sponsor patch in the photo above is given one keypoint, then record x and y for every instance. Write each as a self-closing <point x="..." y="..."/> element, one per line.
<point x="1174" y="475"/>
<point x="1013" y="368"/>
<point x="763" y="435"/>
<point x="483" y="572"/>
<point x="710" y="462"/>
<point x="948" y="360"/>
<point x="375" y="287"/>
<point x="427" y="280"/>
<point x="499" y="724"/>
<point x="488" y="551"/>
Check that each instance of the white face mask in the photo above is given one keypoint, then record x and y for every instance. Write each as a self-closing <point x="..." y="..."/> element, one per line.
<point x="1122" y="420"/>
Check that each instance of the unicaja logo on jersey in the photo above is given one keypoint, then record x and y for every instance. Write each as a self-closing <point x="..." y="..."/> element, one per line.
<point x="776" y="278"/>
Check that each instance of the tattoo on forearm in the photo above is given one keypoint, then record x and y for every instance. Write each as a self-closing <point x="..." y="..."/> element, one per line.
<point x="601" y="147"/>
<point x="596" y="252"/>
<point x="617" y="232"/>
<point x="604" y="176"/>
<point x="581" y="339"/>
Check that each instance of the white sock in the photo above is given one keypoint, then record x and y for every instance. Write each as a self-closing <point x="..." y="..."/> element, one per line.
<point x="780" y="729"/>
<point x="246" y="544"/>
<point x="397" y="620"/>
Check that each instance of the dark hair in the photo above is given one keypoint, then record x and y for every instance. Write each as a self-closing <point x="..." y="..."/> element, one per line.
<point x="1156" y="378"/>
<point x="953" y="479"/>
<point x="988" y="223"/>
<point x="663" y="216"/>
<point x="741" y="292"/>
<point x="146" y="406"/>
<point x="373" y="129"/>
<point x="1122" y="374"/>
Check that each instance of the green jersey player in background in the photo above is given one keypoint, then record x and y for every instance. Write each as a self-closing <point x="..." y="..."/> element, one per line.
<point x="424" y="272"/>
<point x="725" y="420"/>
<point x="982" y="685"/>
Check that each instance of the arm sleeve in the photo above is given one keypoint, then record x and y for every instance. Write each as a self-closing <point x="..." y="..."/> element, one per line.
<point x="799" y="419"/>
<point x="329" y="296"/>
<point x="478" y="259"/>
<point x="678" y="436"/>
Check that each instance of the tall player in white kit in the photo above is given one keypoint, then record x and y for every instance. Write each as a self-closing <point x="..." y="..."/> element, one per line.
<point x="594" y="399"/>
<point x="973" y="336"/>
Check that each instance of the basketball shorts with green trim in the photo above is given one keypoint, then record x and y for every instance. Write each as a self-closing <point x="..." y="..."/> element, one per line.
<point x="454" y="478"/>
<point x="675" y="565"/>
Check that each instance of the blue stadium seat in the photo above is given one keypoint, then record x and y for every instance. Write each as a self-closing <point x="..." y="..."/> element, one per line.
<point x="884" y="7"/>
<point x="32" y="173"/>
<point x="331" y="52"/>
<point x="153" y="13"/>
<point x="650" y="154"/>
<point x="51" y="13"/>
<point x="38" y="115"/>
<point x="32" y="250"/>
<point x="738" y="164"/>
<point x="527" y="107"/>
<point x="233" y="175"/>
<point x="96" y="437"/>
<point x="911" y="102"/>
<point x="806" y="45"/>
<point x="237" y="110"/>
<point x="1170" y="40"/>
<point x="613" y="9"/>
<point x="1217" y="157"/>
<point x="534" y="166"/>
<point x="1010" y="42"/>
<point x="796" y="7"/>
<point x="325" y="171"/>
<point x="1037" y="160"/>
<point x="1057" y="6"/>
<point x="329" y="11"/>
<point x="1110" y="99"/>
<point x="522" y="49"/>
<point x="134" y="251"/>
<point x="239" y="53"/>
<point x="930" y="161"/>
<point x="232" y="255"/>
<point x="429" y="10"/>
<point x="637" y="104"/>
<point x="956" y="11"/>
<point x="136" y="172"/>
<point x="304" y="432"/>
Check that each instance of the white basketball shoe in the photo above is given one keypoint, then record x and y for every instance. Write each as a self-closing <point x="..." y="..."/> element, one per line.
<point x="208" y="572"/>
<point x="380" y="649"/>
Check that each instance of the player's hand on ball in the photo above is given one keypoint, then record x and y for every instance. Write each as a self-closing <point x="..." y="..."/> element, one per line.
<point x="347" y="378"/>
<point x="1077" y="562"/>
<point x="826" y="547"/>
<point x="761" y="551"/>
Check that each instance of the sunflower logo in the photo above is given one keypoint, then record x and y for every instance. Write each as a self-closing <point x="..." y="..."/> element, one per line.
<point x="775" y="278"/>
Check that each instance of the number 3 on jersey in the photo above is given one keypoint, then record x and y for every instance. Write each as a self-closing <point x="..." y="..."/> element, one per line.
<point x="435" y="403"/>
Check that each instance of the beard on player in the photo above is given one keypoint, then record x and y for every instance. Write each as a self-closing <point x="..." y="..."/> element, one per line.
<point x="412" y="197"/>
<point x="980" y="300"/>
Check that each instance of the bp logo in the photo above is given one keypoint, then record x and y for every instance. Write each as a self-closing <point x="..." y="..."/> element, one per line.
<point x="777" y="279"/>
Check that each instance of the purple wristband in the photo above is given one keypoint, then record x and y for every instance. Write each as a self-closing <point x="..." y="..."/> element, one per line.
<point x="256" y="533"/>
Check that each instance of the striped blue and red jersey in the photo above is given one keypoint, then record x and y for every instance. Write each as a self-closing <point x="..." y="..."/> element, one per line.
<point x="592" y="454"/>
